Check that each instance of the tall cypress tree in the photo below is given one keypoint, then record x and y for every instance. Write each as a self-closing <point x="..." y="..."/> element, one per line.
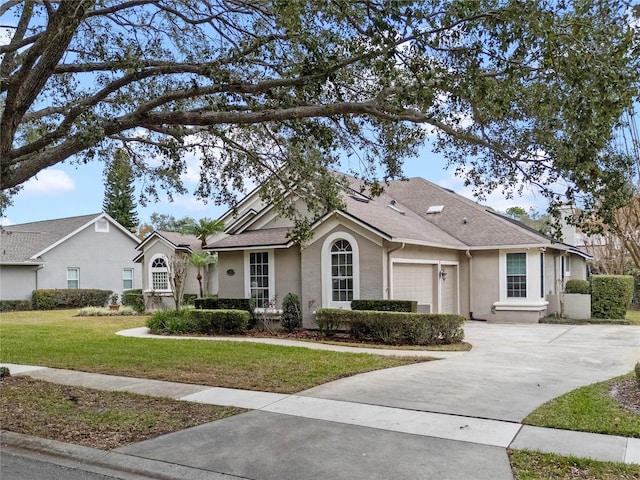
<point x="119" y="200"/>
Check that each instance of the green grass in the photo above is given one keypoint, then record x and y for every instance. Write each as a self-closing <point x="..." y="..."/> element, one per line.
<point x="587" y="409"/>
<point x="61" y="340"/>
<point x="633" y="316"/>
<point x="527" y="465"/>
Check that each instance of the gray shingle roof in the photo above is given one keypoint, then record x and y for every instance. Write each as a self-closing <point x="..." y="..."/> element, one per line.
<point x="19" y="243"/>
<point x="400" y="214"/>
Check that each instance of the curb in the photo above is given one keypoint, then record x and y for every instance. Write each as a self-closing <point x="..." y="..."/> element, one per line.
<point x="109" y="463"/>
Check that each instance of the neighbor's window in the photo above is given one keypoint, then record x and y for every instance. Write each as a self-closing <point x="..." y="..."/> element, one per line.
<point x="159" y="274"/>
<point x="517" y="275"/>
<point x="259" y="278"/>
<point x="73" y="277"/>
<point x="341" y="271"/>
<point x="127" y="279"/>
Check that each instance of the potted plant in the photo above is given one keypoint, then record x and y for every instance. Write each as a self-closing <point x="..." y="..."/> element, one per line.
<point x="114" y="302"/>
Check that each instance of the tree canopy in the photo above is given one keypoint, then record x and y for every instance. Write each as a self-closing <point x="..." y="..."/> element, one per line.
<point x="279" y="92"/>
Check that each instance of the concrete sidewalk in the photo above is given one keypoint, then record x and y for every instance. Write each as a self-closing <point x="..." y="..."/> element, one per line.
<point x="285" y="432"/>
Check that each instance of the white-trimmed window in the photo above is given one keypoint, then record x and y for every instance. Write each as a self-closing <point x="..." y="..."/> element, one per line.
<point x="340" y="263"/>
<point x="159" y="273"/>
<point x="341" y="271"/>
<point x="127" y="278"/>
<point x="260" y="276"/>
<point x="516" y="275"/>
<point x="73" y="277"/>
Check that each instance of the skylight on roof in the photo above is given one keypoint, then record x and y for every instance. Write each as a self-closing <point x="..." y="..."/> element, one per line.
<point x="435" y="209"/>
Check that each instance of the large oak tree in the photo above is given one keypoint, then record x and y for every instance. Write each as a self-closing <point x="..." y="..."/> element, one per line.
<point x="279" y="91"/>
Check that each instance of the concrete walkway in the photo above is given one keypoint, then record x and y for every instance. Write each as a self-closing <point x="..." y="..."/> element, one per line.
<point x="405" y="422"/>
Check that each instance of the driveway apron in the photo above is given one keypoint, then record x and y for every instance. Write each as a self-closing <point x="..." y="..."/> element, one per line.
<point x="511" y="370"/>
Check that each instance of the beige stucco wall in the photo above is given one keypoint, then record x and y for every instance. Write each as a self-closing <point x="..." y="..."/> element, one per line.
<point x="231" y="286"/>
<point x="485" y="289"/>
<point x="371" y="272"/>
<point x="287" y="273"/>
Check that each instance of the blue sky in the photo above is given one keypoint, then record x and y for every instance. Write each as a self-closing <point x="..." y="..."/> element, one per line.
<point x="67" y="190"/>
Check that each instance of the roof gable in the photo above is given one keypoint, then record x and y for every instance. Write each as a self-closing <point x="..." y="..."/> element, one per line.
<point x="24" y="243"/>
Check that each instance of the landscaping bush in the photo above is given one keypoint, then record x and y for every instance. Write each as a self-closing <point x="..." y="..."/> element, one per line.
<point x="189" y="298"/>
<point x="328" y="321"/>
<point x="394" y="327"/>
<point x="577" y="286"/>
<point x="611" y="295"/>
<point x="291" y="319"/>
<point x="70" y="298"/>
<point x="169" y="321"/>
<point x="220" y="321"/>
<point x="199" y="321"/>
<point x="15" y="305"/>
<point x="134" y="299"/>
<point x="385" y="305"/>
<point x="216" y="303"/>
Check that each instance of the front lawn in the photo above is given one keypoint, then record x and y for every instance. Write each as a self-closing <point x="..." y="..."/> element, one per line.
<point x="527" y="465"/>
<point x="61" y="340"/>
<point x="592" y="409"/>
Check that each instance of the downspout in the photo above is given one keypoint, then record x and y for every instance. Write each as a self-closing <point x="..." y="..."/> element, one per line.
<point x="470" y="258"/>
<point x="389" y="252"/>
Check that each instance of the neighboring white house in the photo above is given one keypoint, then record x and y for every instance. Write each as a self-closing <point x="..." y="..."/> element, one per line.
<point x="89" y="251"/>
<point x="417" y="241"/>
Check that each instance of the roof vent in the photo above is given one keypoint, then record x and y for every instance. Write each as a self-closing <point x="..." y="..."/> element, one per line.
<point x="392" y="206"/>
<point x="359" y="198"/>
<point x="435" y="209"/>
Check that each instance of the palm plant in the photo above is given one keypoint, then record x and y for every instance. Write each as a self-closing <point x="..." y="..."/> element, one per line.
<point x="201" y="260"/>
<point x="203" y="229"/>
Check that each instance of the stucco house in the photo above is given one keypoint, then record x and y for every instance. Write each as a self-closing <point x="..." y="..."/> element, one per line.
<point x="156" y="252"/>
<point x="89" y="251"/>
<point x="417" y="241"/>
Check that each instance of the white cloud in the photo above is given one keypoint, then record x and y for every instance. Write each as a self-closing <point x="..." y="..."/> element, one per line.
<point x="5" y="222"/>
<point x="50" y="181"/>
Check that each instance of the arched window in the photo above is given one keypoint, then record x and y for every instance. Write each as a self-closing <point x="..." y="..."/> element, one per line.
<point x="341" y="271"/>
<point x="159" y="274"/>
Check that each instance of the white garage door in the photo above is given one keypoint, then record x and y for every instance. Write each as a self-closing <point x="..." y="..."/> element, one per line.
<point x="412" y="281"/>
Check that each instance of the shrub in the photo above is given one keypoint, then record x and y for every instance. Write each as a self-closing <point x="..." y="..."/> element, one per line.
<point x="611" y="295"/>
<point x="199" y="321"/>
<point x="169" y="321"/>
<point x="394" y="327"/>
<point x="216" y="303"/>
<point x="577" y="286"/>
<point x="189" y="298"/>
<point x="291" y="319"/>
<point x="385" y="305"/>
<point x="106" y="312"/>
<point x="638" y="373"/>
<point x="70" y="298"/>
<point x="15" y="305"/>
<point x="134" y="299"/>
<point x="219" y="321"/>
<point x="4" y="372"/>
<point x="330" y="320"/>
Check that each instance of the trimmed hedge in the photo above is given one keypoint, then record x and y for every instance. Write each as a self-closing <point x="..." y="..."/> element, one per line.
<point x="611" y="295"/>
<point x="15" y="305"/>
<point x="385" y="305"/>
<point x="217" y="303"/>
<point x="134" y="299"/>
<point x="199" y="321"/>
<point x="394" y="328"/>
<point x="577" y="286"/>
<point x="70" y="298"/>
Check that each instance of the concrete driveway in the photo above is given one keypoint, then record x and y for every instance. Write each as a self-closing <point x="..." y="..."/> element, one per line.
<point x="511" y="370"/>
